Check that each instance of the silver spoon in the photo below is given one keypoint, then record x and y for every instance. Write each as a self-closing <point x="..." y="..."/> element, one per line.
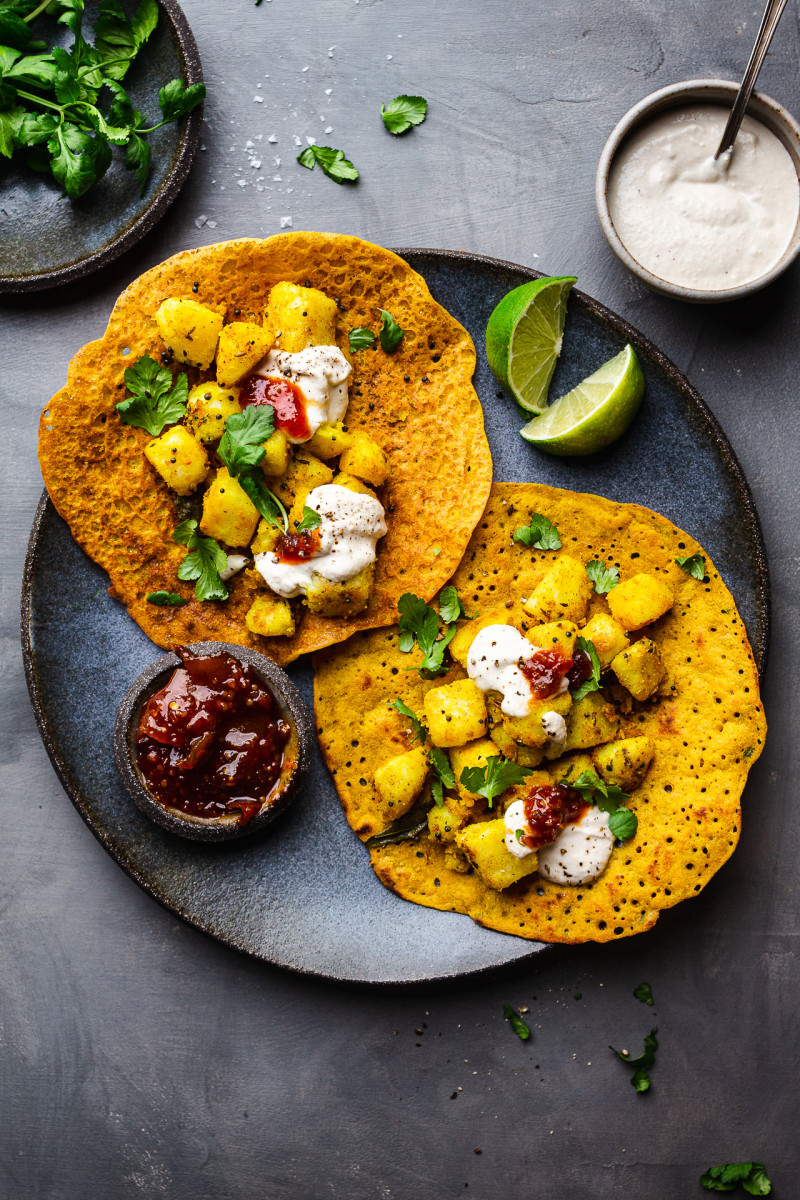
<point x="769" y="23"/>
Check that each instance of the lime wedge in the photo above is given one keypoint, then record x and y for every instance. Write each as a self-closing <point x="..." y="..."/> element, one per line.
<point x="593" y="414"/>
<point x="523" y="338"/>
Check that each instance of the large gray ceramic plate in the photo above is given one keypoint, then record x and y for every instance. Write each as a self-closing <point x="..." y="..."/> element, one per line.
<point x="305" y="897"/>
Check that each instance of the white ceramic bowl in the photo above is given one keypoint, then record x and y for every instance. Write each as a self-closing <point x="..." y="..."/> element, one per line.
<point x="696" y="91"/>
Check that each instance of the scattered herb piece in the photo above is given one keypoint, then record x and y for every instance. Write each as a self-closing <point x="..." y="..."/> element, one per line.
<point x="592" y="684"/>
<point x="604" y="578"/>
<point x="517" y="1024"/>
<point x="418" y="620"/>
<point x="403" y="112"/>
<point x="333" y="163"/>
<point x="726" y="1178"/>
<point x="640" y="1078"/>
<point x="644" y="993"/>
<point x="204" y="563"/>
<point x="171" y="598"/>
<point x="266" y="502"/>
<point x="242" y="443"/>
<point x="404" y="829"/>
<point x="157" y="399"/>
<point x="608" y="798"/>
<point x="497" y="776"/>
<point x="310" y="520"/>
<point x="391" y="333"/>
<point x="361" y="338"/>
<point x="541" y="534"/>
<point x="749" y="752"/>
<point x="450" y="607"/>
<point x="443" y="774"/>
<point x="419" y="729"/>
<point x="694" y="565"/>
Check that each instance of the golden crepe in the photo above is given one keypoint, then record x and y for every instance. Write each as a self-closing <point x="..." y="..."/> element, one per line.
<point x="418" y="403"/>
<point x="707" y="730"/>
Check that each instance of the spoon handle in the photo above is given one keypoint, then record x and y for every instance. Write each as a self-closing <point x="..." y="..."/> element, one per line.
<point x="769" y="23"/>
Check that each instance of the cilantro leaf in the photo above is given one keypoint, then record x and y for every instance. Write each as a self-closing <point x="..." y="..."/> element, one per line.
<point x="242" y="443"/>
<point x="694" y="565"/>
<point x="443" y="773"/>
<point x="622" y="823"/>
<point x="156" y="400"/>
<point x="38" y="70"/>
<point x="419" y="729"/>
<point x="361" y="338"/>
<point x="310" y="520"/>
<point x="517" y="1024"/>
<point x="403" y="112"/>
<point x="417" y="620"/>
<point x="404" y="829"/>
<point x="644" y="993"/>
<point x="497" y="776"/>
<point x="541" y="534"/>
<point x="604" y="578"/>
<point x="137" y="159"/>
<point x="117" y="39"/>
<point x="391" y="334"/>
<point x="640" y="1078"/>
<point x="333" y="163"/>
<point x="79" y="160"/>
<point x="204" y="563"/>
<point x="13" y="30"/>
<point x="592" y="684"/>
<point x="170" y="598"/>
<point x="269" y="506"/>
<point x="752" y="1177"/>
<point x="609" y="799"/>
<point x="450" y="606"/>
<point x="175" y="99"/>
<point x="36" y="128"/>
<point x="11" y="123"/>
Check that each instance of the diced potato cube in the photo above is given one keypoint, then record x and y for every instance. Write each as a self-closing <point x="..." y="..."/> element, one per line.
<point x="497" y="730"/>
<point x="474" y="754"/>
<point x="304" y="474"/>
<point x="354" y="485"/>
<point x="557" y="635"/>
<point x="568" y="768"/>
<point x="208" y="408"/>
<point x="340" y="599"/>
<point x="270" y="617"/>
<point x="640" y="600"/>
<point x="277" y="454"/>
<point x="528" y="730"/>
<point x="400" y="780"/>
<point x="190" y="330"/>
<point x="242" y="346"/>
<point x="563" y="594"/>
<point x="445" y="822"/>
<point x="607" y="637"/>
<point x="229" y="514"/>
<point x="624" y="762"/>
<point x="298" y="317"/>
<point x="456" y="713"/>
<point x="592" y="721"/>
<point x="266" y="537"/>
<point x="365" y="459"/>
<point x="528" y="756"/>
<point x="330" y="440"/>
<point x="459" y="647"/>
<point x="179" y="459"/>
<point x="640" y="669"/>
<point x="485" y="846"/>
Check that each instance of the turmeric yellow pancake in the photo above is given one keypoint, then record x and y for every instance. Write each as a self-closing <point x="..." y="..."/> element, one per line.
<point x="414" y="432"/>
<point x="650" y="744"/>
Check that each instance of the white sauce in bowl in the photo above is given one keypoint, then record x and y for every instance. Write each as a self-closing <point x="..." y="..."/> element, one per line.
<point x="695" y="223"/>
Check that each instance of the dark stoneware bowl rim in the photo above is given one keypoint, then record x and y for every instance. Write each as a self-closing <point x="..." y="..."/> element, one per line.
<point x="150" y="216"/>
<point x="155" y="676"/>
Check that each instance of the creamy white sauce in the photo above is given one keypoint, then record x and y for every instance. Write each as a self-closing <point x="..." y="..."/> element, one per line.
<point x="555" y="727"/>
<point x="580" y="852"/>
<point x="698" y="223"/>
<point x="236" y="563"/>
<point x="321" y="373"/>
<point x="493" y="664"/>
<point x="515" y="820"/>
<point x="351" y="525"/>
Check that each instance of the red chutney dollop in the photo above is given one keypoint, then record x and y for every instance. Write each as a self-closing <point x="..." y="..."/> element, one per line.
<point x="213" y="740"/>
<point x="545" y="669"/>
<point x="547" y="810"/>
<point x="297" y="547"/>
<point x="285" y="397"/>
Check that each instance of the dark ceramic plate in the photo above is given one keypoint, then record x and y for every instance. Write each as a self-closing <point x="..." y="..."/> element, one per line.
<point x="45" y="239"/>
<point x="304" y="897"/>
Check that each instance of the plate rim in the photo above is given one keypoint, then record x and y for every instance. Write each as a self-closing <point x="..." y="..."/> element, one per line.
<point x="45" y="504"/>
<point x="17" y="285"/>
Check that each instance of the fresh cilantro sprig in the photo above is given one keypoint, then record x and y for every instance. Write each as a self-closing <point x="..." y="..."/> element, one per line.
<point x="241" y="449"/>
<point x="604" y="578"/>
<point x="640" y="1078"/>
<point x="443" y="776"/>
<point x="496" y="777"/>
<point x="727" y="1177"/>
<point x="609" y="799"/>
<point x="50" y="102"/>
<point x="592" y="684"/>
<point x="156" y="398"/>
<point x="694" y="565"/>
<point x="517" y="1024"/>
<point x="644" y="993"/>
<point x="361" y="338"/>
<point x="391" y="334"/>
<point x="204" y="563"/>
<point x="420" y="732"/>
<point x="418" y="621"/>
<point x="404" y="111"/>
<point x="541" y="534"/>
<point x="166" y="598"/>
<point x="333" y="163"/>
<point x="309" y="520"/>
<point x="450" y="606"/>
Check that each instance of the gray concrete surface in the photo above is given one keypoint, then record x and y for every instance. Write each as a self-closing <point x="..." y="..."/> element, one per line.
<point x="140" y="1059"/>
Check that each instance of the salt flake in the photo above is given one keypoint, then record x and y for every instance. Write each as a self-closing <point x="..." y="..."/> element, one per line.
<point x="286" y="222"/>
<point x="258" y="99"/>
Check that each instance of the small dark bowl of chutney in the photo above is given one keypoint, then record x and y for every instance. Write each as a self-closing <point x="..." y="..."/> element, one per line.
<point x="213" y="741"/>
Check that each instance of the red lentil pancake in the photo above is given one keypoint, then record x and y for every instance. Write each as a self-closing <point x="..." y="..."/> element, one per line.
<point x="418" y="403"/>
<point x="708" y="730"/>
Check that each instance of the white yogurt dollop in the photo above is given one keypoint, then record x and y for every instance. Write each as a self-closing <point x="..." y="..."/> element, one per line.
<point x="350" y="526"/>
<point x="493" y="664"/>
<point x="515" y="820"/>
<point x="321" y="373"/>
<point x="236" y="563"/>
<point x="697" y="223"/>
<point x="555" y="727"/>
<point x="580" y="852"/>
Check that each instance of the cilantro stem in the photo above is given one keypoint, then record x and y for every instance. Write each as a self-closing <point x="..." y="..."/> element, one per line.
<point x="41" y="100"/>
<point x="33" y="15"/>
<point x="284" y="513"/>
